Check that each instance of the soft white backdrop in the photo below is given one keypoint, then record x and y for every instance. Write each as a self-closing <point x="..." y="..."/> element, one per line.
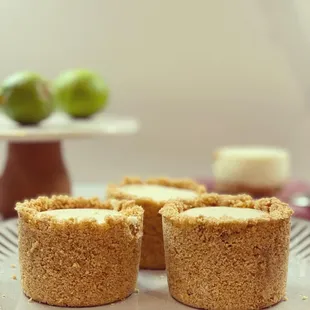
<point x="198" y="73"/>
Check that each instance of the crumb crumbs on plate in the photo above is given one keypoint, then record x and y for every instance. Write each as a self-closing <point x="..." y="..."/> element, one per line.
<point x="285" y="298"/>
<point x="13" y="266"/>
<point x="14" y="277"/>
<point x="304" y="297"/>
<point x="30" y="300"/>
<point x="137" y="290"/>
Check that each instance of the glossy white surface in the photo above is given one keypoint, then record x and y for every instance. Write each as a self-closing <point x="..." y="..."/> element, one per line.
<point x="221" y="211"/>
<point x="158" y="192"/>
<point x="60" y="126"/>
<point x="80" y="214"/>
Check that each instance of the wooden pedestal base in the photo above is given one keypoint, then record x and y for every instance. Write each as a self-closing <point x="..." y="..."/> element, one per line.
<point x="31" y="170"/>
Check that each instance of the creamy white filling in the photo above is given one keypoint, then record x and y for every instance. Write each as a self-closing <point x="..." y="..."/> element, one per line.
<point x="252" y="166"/>
<point x="261" y="153"/>
<point x="222" y="211"/>
<point x="158" y="192"/>
<point x="80" y="214"/>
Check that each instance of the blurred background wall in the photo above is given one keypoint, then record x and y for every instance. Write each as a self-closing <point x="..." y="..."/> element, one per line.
<point x="198" y="73"/>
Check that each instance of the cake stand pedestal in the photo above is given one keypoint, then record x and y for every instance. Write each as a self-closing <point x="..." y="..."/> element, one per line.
<point x="35" y="164"/>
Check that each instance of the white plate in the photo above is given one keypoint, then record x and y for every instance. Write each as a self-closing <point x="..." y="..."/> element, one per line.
<point x="153" y="292"/>
<point x="60" y="126"/>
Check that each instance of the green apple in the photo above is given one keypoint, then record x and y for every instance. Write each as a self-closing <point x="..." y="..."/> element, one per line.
<point x="80" y="93"/>
<point x="26" y="98"/>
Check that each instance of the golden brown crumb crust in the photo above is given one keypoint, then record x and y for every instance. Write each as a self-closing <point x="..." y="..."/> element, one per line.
<point x="152" y="255"/>
<point x="78" y="263"/>
<point x="225" y="263"/>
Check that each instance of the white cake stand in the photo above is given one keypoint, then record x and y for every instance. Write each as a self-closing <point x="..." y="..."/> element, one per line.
<point x="35" y="165"/>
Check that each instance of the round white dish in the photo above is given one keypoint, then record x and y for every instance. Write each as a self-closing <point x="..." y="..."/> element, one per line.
<point x="60" y="126"/>
<point x="152" y="293"/>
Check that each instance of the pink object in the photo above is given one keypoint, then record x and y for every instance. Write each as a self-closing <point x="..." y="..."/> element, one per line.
<point x="291" y="190"/>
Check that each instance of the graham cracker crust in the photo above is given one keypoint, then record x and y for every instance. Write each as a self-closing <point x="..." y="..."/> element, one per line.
<point x="152" y="254"/>
<point x="225" y="263"/>
<point x="78" y="263"/>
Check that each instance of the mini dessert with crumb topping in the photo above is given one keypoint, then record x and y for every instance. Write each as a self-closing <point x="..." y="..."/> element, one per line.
<point x="79" y="252"/>
<point x="152" y="194"/>
<point x="258" y="171"/>
<point x="227" y="252"/>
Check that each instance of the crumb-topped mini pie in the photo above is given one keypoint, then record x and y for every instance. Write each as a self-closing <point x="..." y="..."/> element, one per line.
<point x="258" y="171"/>
<point x="227" y="252"/>
<point x="152" y="194"/>
<point x="79" y="252"/>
